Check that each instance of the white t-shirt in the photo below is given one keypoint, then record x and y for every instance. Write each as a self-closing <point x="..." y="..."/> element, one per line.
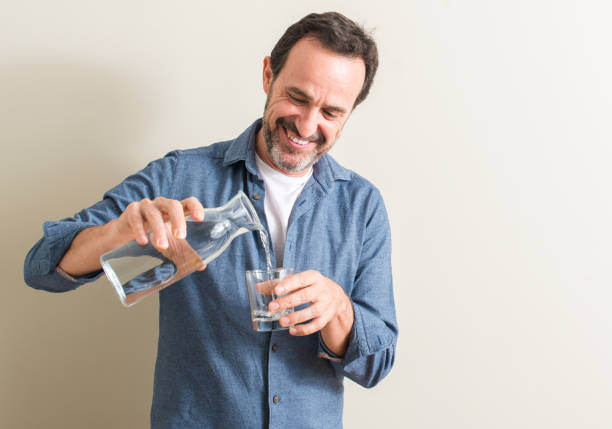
<point x="281" y="193"/>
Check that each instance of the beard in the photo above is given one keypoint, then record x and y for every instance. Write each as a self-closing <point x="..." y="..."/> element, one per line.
<point x="284" y="155"/>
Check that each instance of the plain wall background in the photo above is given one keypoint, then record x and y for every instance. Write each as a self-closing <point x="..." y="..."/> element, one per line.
<point x="487" y="132"/>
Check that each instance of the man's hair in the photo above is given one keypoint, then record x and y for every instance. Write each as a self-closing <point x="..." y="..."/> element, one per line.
<point x="335" y="32"/>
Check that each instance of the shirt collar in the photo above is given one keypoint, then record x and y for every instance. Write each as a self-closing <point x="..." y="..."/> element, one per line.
<point x="325" y="170"/>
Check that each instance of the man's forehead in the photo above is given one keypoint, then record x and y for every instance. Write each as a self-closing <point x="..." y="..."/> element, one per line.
<point x="312" y="68"/>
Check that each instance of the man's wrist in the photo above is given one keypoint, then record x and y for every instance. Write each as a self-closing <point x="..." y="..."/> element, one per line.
<point x="335" y="334"/>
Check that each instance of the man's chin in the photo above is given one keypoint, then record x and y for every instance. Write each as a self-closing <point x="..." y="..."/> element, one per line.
<point x="290" y="162"/>
<point x="294" y="166"/>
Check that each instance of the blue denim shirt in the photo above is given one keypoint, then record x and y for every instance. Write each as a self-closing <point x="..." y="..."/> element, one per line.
<point x="212" y="369"/>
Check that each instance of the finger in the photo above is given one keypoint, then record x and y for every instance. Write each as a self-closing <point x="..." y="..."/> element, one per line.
<point x="193" y="206"/>
<point x="175" y="214"/>
<point x="136" y="223"/>
<point x="294" y="299"/>
<point x="304" y="315"/>
<point x="202" y="268"/>
<point x="297" y="281"/>
<point x="156" y="222"/>
<point x="307" y="328"/>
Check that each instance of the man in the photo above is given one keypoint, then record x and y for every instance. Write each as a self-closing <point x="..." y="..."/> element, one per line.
<point x="327" y="222"/>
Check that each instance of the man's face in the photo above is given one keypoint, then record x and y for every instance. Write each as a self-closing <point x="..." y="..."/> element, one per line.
<point x="307" y="105"/>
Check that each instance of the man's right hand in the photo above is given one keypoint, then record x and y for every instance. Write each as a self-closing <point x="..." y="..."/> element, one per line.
<point x="152" y="215"/>
<point x="83" y="255"/>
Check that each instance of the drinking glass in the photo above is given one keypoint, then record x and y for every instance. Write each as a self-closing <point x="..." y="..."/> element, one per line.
<point x="261" y="284"/>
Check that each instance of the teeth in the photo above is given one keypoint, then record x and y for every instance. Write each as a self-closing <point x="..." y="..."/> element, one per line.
<point x="298" y="141"/>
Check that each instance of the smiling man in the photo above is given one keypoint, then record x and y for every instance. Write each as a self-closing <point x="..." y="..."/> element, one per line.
<point x="308" y="103"/>
<point x="327" y="222"/>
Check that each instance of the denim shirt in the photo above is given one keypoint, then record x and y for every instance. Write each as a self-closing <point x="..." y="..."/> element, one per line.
<point x="213" y="370"/>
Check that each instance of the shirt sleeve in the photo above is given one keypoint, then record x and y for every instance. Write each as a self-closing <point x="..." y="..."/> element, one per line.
<point x="370" y="353"/>
<point x="41" y="269"/>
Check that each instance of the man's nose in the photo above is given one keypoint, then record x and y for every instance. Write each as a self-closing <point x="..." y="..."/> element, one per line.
<point x="307" y="124"/>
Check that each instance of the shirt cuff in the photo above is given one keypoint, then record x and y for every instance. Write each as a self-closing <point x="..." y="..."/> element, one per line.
<point x="81" y="279"/>
<point x="325" y="353"/>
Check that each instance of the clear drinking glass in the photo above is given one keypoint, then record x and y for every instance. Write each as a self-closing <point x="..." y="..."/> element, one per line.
<point x="260" y="284"/>
<point x="137" y="271"/>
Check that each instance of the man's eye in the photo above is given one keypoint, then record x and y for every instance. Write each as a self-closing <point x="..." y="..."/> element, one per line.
<point x="297" y="100"/>
<point x="329" y="114"/>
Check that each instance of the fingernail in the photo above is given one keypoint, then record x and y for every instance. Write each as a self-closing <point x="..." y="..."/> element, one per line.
<point x="292" y="331"/>
<point x="180" y="233"/>
<point x="273" y="306"/>
<point x="284" y="321"/>
<point x="163" y="243"/>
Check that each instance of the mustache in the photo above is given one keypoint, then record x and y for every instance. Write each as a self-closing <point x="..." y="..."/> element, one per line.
<point x="290" y="125"/>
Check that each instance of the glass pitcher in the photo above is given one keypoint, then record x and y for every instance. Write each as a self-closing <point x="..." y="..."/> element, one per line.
<point x="136" y="271"/>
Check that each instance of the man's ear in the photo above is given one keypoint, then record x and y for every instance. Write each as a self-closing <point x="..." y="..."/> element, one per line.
<point x="267" y="75"/>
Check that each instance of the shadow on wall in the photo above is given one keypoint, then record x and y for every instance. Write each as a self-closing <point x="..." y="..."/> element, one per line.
<point x="65" y="131"/>
<point x="65" y="124"/>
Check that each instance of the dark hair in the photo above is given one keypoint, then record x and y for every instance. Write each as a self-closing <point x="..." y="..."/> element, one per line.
<point x="337" y="33"/>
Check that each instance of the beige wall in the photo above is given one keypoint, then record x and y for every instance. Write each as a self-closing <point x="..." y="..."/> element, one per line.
<point x="487" y="131"/>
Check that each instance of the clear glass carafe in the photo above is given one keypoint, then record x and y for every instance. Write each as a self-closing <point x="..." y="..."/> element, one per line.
<point x="137" y="271"/>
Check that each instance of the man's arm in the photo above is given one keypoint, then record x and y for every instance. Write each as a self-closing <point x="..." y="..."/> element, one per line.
<point x="77" y="242"/>
<point x="372" y="342"/>
<point x="360" y="331"/>
<point x="83" y="255"/>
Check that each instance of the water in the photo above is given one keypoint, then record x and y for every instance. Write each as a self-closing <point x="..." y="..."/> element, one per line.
<point x="155" y="270"/>
<point x="262" y="319"/>
<point x="137" y="271"/>
<point x="142" y="270"/>
<point x="265" y="242"/>
<point x="268" y="316"/>
<point x="149" y="271"/>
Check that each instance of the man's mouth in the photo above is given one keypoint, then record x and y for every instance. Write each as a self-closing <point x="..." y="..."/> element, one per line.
<point x="296" y="140"/>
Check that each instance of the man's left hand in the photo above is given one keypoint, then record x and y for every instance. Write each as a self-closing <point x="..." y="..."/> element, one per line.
<point x="329" y="307"/>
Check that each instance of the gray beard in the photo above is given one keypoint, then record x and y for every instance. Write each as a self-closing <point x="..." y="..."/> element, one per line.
<point x="273" y="145"/>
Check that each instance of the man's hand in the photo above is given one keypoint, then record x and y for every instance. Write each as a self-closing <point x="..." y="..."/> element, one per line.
<point x="161" y="216"/>
<point x="144" y="215"/>
<point x="330" y="310"/>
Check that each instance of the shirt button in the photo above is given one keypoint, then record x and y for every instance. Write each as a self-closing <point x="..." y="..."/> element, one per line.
<point x="274" y="347"/>
<point x="276" y="399"/>
<point x="256" y="196"/>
